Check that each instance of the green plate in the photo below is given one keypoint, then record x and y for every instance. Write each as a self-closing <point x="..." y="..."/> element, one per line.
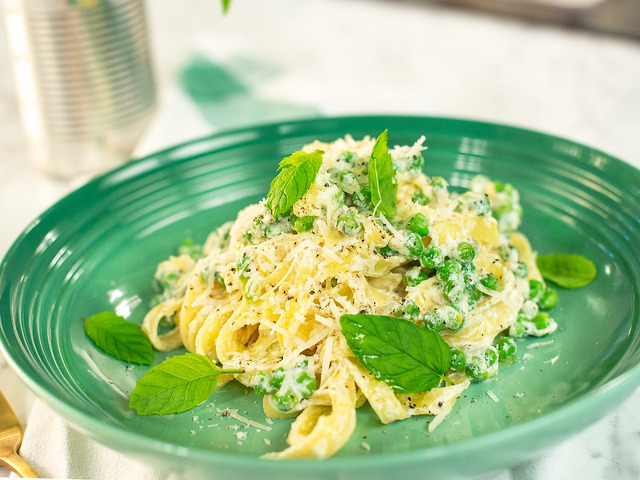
<point x="97" y="249"/>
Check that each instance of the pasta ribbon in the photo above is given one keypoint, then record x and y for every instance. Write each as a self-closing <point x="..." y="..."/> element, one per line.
<point x="321" y="430"/>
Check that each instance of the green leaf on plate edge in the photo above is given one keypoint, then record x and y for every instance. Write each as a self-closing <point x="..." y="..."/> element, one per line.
<point x="176" y="385"/>
<point x="119" y="338"/>
<point x="566" y="270"/>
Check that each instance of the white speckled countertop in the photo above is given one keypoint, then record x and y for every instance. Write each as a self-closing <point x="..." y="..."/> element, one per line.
<point x="327" y="57"/>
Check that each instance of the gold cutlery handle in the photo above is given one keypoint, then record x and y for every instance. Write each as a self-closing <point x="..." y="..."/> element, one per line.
<point x="13" y="462"/>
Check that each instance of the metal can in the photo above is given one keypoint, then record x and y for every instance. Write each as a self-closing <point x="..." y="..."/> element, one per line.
<point x="84" y="80"/>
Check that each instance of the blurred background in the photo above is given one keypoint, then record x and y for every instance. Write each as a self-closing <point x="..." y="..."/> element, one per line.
<point x="570" y="68"/>
<point x="608" y="16"/>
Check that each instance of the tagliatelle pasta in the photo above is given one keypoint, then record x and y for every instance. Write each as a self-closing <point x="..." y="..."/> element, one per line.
<point x="265" y="295"/>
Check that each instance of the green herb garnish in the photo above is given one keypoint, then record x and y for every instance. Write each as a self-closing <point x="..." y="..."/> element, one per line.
<point x="119" y="338"/>
<point x="297" y="173"/>
<point x="176" y="385"/>
<point x="398" y="352"/>
<point x="566" y="270"/>
<point x="382" y="178"/>
<point x="225" y="6"/>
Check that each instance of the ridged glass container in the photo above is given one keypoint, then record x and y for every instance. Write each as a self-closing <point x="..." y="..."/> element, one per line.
<point x="84" y="80"/>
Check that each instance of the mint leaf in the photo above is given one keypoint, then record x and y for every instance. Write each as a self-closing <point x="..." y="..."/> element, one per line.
<point x="175" y="385"/>
<point x="407" y="357"/>
<point x="566" y="270"/>
<point x="297" y="173"/>
<point x="382" y="178"/>
<point x="119" y="338"/>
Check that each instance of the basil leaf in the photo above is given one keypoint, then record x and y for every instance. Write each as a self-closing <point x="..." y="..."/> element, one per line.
<point x="175" y="385"/>
<point x="119" y="338"/>
<point x="565" y="270"/>
<point x="382" y="178"/>
<point x="297" y="173"/>
<point x="407" y="357"/>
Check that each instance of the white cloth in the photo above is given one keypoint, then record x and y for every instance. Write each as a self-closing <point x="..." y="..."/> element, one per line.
<point x="54" y="450"/>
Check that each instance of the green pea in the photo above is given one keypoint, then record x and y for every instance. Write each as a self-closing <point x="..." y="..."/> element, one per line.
<point x="458" y="359"/>
<point x="490" y="356"/>
<point x="548" y="299"/>
<point x="469" y="275"/>
<point x="419" y="223"/>
<point x="413" y="242"/>
<point x="506" y="348"/>
<point x="481" y="206"/>
<point x="416" y="162"/>
<point x="188" y="247"/>
<point x="348" y="180"/>
<point x="387" y="251"/>
<point x="465" y="252"/>
<point x="438" y="184"/>
<point x="409" y="164"/>
<point x="521" y="270"/>
<point x="453" y="318"/>
<point x="276" y="378"/>
<point x="475" y="202"/>
<point x="308" y="384"/>
<point x="408" y="310"/>
<point x="448" y="270"/>
<point x="508" y="253"/>
<point x="168" y="280"/>
<point x="272" y="230"/>
<point x="491" y="282"/>
<point x="260" y="390"/>
<point x="302" y="224"/>
<point x="536" y="289"/>
<point x="503" y="187"/>
<point x="285" y="401"/>
<point x="542" y="321"/>
<point x="476" y="373"/>
<point x="519" y="327"/>
<point x="433" y="321"/>
<point x="415" y="276"/>
<point x="348" y="224"/>
<point x="432" y="257"/>
<point x="420" y="198"/>
<point x="482" y="365"/>
<point x="261" y="385"/>
<point x="453" y="290"/>
<point x="348" y="158"/>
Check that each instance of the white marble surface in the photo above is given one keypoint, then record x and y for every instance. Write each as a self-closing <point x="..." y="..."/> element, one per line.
<point x="356" y="56"/>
